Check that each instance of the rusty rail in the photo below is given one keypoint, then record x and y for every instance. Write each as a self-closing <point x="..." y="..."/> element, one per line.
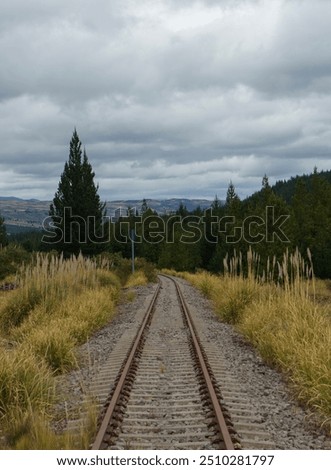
<point x="117" y="392"/>
<point x="220" y="420"/>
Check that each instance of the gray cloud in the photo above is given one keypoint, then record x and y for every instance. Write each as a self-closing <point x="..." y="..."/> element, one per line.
<point x="168" y="99"/>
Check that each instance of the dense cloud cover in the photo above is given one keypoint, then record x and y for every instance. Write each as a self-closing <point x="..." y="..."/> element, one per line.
<point x="170" y="98"/>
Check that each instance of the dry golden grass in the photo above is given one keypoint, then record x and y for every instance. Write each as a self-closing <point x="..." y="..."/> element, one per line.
<point x="137" y="278"/>
<point x="295" y="335"/>
<point x="170" y="272"/>
<point x="285" y="319"/>
<point x="25" y="381"/>
<point x="59" y="304"/>
<point x="31" y="430"/>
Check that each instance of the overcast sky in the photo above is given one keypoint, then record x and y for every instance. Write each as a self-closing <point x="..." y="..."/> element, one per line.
<point x="171" y="98"/>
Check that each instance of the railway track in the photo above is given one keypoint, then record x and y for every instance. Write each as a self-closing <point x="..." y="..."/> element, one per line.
<point x="165" y="395"/>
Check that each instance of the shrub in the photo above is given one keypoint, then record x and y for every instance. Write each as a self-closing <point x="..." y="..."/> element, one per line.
<point x="123" y="269"/>
<point x="137" y="278"/>
<point x="11" y="258"/>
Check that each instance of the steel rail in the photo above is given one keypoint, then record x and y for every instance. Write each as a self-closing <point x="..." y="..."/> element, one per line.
<point x="221" y="423"/>
<point x="120" y="384"/>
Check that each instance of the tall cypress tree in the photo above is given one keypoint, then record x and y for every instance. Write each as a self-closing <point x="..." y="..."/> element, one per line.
<point x="76" y="209"/>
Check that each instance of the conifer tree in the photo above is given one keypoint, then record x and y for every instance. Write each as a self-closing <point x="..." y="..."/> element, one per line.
<point x="76" y="209"/>
<point x="232" y="199"/>
<point x="216" y="205"/>
<point x="182" y="210"/>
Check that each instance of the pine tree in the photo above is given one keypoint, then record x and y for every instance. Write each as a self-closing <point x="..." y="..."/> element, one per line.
<point x="265" y="182"/>
<point x="182" y="210"/>
<point x="76" y="210"/>
<point x="216" y="205"/>
<point x="232" y="198"/>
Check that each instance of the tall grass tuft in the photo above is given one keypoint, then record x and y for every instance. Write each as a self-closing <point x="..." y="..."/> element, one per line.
<point x="25" y="382"/>
<point x="138" y="278"/>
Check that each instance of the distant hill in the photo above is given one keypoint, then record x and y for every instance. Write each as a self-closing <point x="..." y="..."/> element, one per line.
<point x="13" y="198"/>
<point x="21" y="214"/>
<point x="286" y="189"/>
<point x="162" y="206"/>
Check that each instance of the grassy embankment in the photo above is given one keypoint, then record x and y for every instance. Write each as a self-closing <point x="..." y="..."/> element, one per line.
<point x="288" y="321"/>
<point x="58" y="305"/>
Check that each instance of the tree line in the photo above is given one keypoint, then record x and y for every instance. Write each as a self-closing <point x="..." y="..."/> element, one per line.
<point x="270" y="221"/>
<point x="263" y="222"/>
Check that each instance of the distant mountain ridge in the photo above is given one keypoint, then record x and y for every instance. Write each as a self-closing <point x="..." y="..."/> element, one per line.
<point x="10" y="198"/>
<point x="28" y="214"/>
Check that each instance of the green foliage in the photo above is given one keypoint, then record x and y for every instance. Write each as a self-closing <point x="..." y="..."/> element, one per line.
<point x="11" y="258"/>
<point x="286" y="189"/>
<point x="179" y="251"/>
<point x="237" y="302"/>
<point x="232" y="198"/>
<point x="122" y="267"/>
<point x="266" y="207"/>
<point x="147" y="268"/>
<point x="312" y="221"/>
<point x="29" y="240"/>
<point x="265" y="222"/>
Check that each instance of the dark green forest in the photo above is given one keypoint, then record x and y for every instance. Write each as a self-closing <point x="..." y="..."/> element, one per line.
<point x="291" y="214"/>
